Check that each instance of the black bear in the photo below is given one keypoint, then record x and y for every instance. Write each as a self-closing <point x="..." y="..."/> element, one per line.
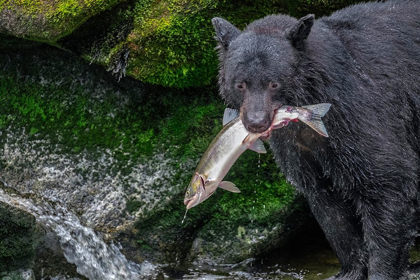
<point x="362" y="183"/>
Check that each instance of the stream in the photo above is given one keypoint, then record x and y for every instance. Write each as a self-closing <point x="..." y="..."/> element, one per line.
<point x="98" y="260"/>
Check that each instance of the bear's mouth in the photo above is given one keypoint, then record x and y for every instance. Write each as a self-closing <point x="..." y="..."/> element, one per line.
<point x="267" y="134"/>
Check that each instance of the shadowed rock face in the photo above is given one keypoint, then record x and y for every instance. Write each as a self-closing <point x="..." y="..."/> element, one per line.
<point x="16" y="249"/>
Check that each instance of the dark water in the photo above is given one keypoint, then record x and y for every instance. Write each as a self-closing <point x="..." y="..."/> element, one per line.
<point x="308" y="256"/>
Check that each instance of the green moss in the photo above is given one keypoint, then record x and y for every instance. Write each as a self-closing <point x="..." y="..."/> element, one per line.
<point x="266" y="201"/>
<point x="75" y="121"/>
<point x="266" y="195"/>
<point x="133" y="205"/>
<point x="172" y="41"/>
<point x="47" y="21"/>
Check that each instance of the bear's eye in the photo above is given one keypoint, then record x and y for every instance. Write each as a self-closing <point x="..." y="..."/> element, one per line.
<point x="273" y="85"/>
<point x="240" y="86"/>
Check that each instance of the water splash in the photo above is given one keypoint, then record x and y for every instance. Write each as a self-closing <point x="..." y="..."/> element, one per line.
<point x="185" y="215"/>
<point x="81" y="245"/>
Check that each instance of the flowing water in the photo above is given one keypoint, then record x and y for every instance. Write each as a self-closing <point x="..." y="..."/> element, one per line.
<point x="98" y="260"/>
<point x="81" y="245"/>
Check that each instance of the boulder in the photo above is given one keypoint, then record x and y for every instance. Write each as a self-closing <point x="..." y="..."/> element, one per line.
<point x="167" y="43"/>
<point x="119" y="155"/>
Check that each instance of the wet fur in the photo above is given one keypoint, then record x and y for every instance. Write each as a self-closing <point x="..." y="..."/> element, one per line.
<point x="362" y="183"/>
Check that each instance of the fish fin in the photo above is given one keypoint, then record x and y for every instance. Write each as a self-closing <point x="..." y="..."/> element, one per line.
<point x="228" y="186"/>
<point x="258" y="147"/>
<point x="229" y="115"/>
<point x="316" y="124"/>
<point x="318" y="109"/>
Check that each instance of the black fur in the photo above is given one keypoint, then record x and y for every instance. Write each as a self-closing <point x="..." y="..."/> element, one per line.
<point x="362" y="183"/>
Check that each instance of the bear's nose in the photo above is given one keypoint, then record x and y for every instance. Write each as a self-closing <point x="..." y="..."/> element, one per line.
<point x="257" y="122"/>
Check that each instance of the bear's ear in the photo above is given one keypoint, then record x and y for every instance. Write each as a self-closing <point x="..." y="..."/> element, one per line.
<point x="225" y="32"/>
<point x="300" y="31"/>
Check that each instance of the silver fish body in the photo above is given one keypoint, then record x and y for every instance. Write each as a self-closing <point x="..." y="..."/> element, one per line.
<point x="219" y="157"/>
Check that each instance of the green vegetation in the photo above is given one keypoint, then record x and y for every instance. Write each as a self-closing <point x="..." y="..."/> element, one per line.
<point x="81" y="123"/>
<point x="47" y="21"/>
<point x="172" y="41"/>
<point x="179" y="122"/>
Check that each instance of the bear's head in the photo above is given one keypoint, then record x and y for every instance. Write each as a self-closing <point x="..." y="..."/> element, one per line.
<point x="257" y="65"/>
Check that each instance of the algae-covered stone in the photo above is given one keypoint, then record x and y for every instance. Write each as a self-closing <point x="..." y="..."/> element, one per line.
<point x="47" y="21"/>
<point x="120" y="156"/>
<point x="166" y="42"/>
<point x="17" y="238"/>
<point x="172" y="41"/>
<point x="253" y="222"/>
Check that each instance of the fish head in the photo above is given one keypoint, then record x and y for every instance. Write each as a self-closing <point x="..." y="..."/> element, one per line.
<point x="195" y="192"/>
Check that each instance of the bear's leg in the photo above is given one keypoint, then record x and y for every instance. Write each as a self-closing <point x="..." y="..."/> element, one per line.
<point x="389" y="227"/>
<point x="337" y="218"/>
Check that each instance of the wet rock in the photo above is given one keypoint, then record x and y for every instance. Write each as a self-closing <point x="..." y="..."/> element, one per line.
<point x="46" y="21"/>
<point x="19" y="274"/>
<point x="17" y="238"/>
<point x="167" y="42"/>
<point x="120" y="159"/>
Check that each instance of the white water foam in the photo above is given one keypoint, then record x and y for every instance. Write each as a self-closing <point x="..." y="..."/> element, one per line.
<point x="81" y="245"/>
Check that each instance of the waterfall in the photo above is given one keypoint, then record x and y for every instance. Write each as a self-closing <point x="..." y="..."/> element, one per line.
<point x="81" y="245"/>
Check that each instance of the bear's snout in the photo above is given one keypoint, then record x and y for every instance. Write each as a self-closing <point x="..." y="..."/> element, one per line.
<point x="256" y="122"/>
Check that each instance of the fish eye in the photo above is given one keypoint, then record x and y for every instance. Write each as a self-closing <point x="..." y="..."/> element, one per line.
<point x="188" y="192"/>
<point x="289" y="109"/>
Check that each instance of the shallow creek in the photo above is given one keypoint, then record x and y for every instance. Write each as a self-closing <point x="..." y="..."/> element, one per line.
<point x="306" y="257"/>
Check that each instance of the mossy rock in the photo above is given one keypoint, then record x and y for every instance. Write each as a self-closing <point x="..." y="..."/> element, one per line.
<point x="228" y="227"/>
<point x="171" y="42"/>
<point x="82" y="114"/>
<point x="47" y="21"/>
<point x="17" y="238"/>
<point x="168" y="43"/>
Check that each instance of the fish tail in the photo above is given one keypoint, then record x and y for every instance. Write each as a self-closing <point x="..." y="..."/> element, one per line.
<point x="317" y="125"/>
<point x="315" y="122"/>
<point x="318" y="110"/>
